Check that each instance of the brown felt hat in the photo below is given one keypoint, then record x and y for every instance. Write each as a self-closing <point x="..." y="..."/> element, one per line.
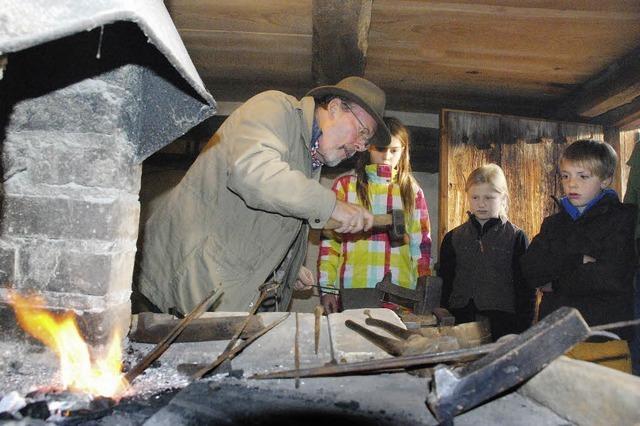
<point x="364" y="93"/>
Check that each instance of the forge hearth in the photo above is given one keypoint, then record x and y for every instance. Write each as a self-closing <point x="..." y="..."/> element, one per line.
<point x="87" y="91"/>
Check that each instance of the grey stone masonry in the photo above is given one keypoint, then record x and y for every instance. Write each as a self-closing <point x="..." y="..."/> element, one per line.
<point x="78" y="114"/>
<point x="70" y="210"/>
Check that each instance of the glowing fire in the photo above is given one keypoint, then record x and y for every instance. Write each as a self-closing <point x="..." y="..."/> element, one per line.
<point x="102" y="377"/>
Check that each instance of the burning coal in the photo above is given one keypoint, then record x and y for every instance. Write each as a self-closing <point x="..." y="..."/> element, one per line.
<point x="97" y="374"/>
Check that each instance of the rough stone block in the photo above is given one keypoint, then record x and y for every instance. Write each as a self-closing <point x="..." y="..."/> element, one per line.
<point x="64" y="218"/>
<point x="95" y="326"/>
<point x="586" y="393"/>
<point x="65" y="268"/>
<point x="7" y="265"/>
<point x="92" y="105"/>
<point x="348" y="345"/>
<point x="280" y="342"/>
<point x="54" y="158"/>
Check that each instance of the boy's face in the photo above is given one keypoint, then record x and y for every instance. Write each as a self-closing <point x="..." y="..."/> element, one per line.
<point x="484" y="202"/>
<point x="579" y="184"/>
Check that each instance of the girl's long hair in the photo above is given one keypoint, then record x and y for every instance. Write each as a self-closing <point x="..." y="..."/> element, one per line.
<point x="405" y="179"/>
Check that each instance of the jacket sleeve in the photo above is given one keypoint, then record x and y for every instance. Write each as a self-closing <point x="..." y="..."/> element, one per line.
<point x="447" y="268"/>
<point x="330" y="256"/>
<point x="525" y="296"/>
<point x="420" y="236"/>
<point x="262" y="133"/>
<point x="614" y="262"/>
<point x="547" y="258"/>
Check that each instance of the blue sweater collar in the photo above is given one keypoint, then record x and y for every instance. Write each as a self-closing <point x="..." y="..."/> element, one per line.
<point x="573" y="210"/>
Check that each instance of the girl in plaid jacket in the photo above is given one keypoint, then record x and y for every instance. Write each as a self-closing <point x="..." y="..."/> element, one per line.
<point x="382" y="181"/>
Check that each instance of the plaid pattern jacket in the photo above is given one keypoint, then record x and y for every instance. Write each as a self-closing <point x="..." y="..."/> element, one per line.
<point x="361" y="260"/>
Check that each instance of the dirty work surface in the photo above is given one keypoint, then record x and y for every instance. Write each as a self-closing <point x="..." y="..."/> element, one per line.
<point x="397" y="399"/>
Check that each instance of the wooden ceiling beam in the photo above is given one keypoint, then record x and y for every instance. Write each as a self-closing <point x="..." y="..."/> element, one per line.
<point x="625" y="117"/>
<point x="339" y="42"/>
<point x="227" y="90"/>
<point x="616" y="86"/>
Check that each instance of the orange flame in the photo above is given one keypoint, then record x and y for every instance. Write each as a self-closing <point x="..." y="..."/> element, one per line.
<point x="102" y="377"/>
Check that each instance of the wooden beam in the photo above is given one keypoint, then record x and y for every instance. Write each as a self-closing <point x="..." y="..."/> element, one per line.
<point x="625" y="117"/>
<point x="340" y="33"/>
<point x="413" y="101"/>
<point x="616" y="86"/>
<point x="3" y="64"/>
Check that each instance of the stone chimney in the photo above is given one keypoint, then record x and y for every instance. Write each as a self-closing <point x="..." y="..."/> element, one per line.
<point x="78" y="114"/>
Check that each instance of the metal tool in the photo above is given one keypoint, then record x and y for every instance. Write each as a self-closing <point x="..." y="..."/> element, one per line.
<point x="422" y="300"/>
<point x="193" y="369"/>
<point x="455" y="391"/>
<point x="317" y="312"/>
<point x="333" y="357"/>
<point x="393" y="222"/>
<point x="296" y="351"/>
<point x="377" y="365"/>
<point x="411" y="342"/>
<point x="164" y="344"/>
<point x="227" y="353"/>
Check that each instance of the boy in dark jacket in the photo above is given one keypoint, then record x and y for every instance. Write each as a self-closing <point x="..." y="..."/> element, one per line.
<point x="583" y="256"/>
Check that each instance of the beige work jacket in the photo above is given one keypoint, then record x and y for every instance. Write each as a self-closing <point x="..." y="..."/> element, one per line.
<point x="245" y="202"/>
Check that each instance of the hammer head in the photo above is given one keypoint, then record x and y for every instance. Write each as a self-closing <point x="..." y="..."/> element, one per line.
<point x="397" y="229"/>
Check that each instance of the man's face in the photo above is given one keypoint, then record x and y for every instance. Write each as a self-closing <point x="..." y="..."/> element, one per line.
<point x="347" y="129"/>
<point x="579" y="184"/>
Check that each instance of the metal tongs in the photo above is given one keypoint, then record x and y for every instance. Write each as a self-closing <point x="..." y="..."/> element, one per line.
<point x="410" y="342"/>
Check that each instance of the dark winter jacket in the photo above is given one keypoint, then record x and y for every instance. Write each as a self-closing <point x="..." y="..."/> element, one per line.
<point x="480" y="263"/>
<point x="601" y="290"/>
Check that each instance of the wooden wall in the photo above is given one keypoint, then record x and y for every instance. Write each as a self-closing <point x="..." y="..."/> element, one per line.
<point x="526" y="149"/>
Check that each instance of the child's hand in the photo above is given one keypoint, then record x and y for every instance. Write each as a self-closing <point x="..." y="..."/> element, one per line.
<point x="331" y="302"/>
<point x="587" y="259"/>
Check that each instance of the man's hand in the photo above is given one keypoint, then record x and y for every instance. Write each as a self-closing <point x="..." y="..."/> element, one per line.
<point x="331" y="302"/>
<point x="353" y="218"/>
<point x="587" y="259"/>
<point x="305" y="280"/>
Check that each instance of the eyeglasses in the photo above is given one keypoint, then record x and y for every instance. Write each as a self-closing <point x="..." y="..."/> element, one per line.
<point x="364" y="134"/>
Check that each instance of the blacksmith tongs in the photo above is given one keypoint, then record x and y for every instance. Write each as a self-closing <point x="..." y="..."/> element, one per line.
<point x="410" y="342"/>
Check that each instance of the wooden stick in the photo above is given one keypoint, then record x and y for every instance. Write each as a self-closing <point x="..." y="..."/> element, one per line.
<point x="227" y="350"/>
<point x="383" y="364"/>
<point x="164" y="344"/>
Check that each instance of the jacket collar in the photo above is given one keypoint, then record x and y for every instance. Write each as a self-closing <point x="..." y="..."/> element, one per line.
<point x="605" y="196"/>
<point x="482" y="229"/>
<point x="307" y="107"/>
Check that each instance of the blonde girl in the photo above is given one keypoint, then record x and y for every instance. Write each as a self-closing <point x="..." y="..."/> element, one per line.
<point x="479" y="260"/>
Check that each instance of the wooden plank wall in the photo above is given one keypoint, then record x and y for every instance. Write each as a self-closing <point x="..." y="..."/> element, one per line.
<point x="627" y="142"/>
<point x="526" y="149"/>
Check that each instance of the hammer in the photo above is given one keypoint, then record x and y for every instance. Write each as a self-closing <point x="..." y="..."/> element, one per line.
<point x="394" y="221"/>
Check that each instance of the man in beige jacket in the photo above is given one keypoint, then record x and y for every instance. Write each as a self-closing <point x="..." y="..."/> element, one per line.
<point x="241" y="214"/>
